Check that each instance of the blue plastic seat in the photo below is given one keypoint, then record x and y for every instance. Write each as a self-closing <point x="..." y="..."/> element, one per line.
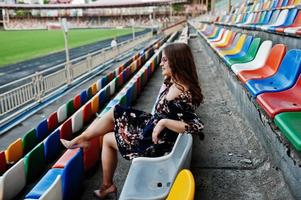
<point x="42" y="130"/>
<point x="52" y="146"/>
<point x="285" y="77"/>
<point x="83" y="97"/>
<point x="244" y="49"/>
<point x="289" y="20"/>
<point x="72" y="176"/>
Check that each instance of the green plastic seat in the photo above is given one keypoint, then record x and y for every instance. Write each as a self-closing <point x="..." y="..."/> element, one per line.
<point x="70" y="108"/>
<point x="249" y="56"/>
<point x="290" y="125"/>
<point x="29" y="141"/>
<point x="34" y="163"/>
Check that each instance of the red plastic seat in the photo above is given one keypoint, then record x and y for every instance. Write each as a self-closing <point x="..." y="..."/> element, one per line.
<point x="52" y="122"/>
<point x="66" y="130"/>
<point x="2" y="162"/>
<point x="297" y="22"/>
<point x="77" y="102"/>
<point x="270" y="67"/>
<point x="92" y="153"/>
<point x="87" y="112"/>
<point x="284" y="101"/>
<point x="61" y="163"/>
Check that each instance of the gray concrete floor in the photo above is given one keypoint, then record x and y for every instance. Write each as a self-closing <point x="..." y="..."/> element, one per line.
<point x="229" y="164"/>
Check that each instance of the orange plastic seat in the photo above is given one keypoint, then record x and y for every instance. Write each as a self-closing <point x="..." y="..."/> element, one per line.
<point x="14" y="151"/>
<point x="270" y="67"/>
<point x="95" y="104"/>
<point x="94" y="88"/>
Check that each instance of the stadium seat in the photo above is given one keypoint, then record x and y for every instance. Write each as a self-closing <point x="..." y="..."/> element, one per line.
<point x="34" y="163"/>
<point x="13" y="181"/>
<point x="244" y="49"/>
<point x="289" y="21"/>
<point x="54" y="191"/>
<point x="258" y="61"/>
<point x="183" y="187"/>
<point x="42" y="130"/>
<point x="284" y="101"/>
<point x="71" y="177"/>
<point x="285" y="77"/>
<point x="232" y="43"/>
<point x="52" y="121"/>
<point x="235" y="49"/>
<point x="83" y="97"/>
<point x="151" y="178"/>
<point x="270" y="67"/>
<point x="66" y="130"/>
<point x="3" y="164"/>
<point x="70" y="107"/>
<point x="62" y="113"/>
<point x="112" y="85"/>
<point x="77" y="121"/>
<point x="29" y="141"/>
<point x="290" y="125"/>
<point x="52" y="146"/>
<point x="77" y="102"/>
<point x="95" y="104"/>
<point x="94" y="88"/>
<point x="91" y="153"/>
<point x="248" y="56"/>
<point x="65" y="158"/>
<point x="14" y="151"/>
<point x="87" y="112"/>
<point x="228" y="40"/>
<point x="279" y="22"/>
<point x="90" y="92"/>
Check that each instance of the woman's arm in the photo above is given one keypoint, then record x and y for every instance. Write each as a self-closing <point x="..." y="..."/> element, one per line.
<point x="174" y="125"/>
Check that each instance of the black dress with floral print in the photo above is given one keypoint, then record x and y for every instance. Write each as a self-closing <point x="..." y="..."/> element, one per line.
<point x="133" y="128"/>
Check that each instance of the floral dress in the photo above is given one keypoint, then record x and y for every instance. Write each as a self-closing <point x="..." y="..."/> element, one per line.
<point x="133" y="128"/>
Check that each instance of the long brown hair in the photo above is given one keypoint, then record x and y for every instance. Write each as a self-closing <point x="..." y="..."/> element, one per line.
<point x="183" y="69"/>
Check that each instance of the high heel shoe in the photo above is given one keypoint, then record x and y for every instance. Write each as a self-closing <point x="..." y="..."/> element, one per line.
<point x="105" y="191"/>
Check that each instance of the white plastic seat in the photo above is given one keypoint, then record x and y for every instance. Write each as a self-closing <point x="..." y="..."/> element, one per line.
<point x="152" y="178"/>
<point x="259" y="60"/>
<point x="280" y="20"/>
<point x="54" y="191"/>
<point x="13" y="181"/>
<point x="62" y="113"/>
<point x="292" y="30"/>
<point x="77" y="120"/>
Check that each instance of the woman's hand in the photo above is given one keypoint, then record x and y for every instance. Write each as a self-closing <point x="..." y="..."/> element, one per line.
<point x="157" y="130"/>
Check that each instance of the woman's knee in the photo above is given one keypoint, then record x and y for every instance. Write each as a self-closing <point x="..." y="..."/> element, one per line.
<point x="110" y="140"/>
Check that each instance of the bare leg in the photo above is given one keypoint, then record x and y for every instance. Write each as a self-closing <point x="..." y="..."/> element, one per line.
<point x="109" y="164"/>
<point x="98" y="128"/>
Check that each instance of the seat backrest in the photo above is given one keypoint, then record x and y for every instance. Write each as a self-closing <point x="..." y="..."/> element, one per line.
<point x="91" y="153"/>
<point x="83" y="97"/>
<point x="29" y="141"/>
<point x="297" y="21"/>
<point x="262" y="17"/>
<point x="14" y="151"/>
<point x="77" y="120"/>
<point x="13" y="181"/>
<point x="267" y="17"/>
<point x="254" y="47"/>
<point x="274" y="17"/>
<point x="73" y="175"/>
<point x="54" y="192"/>
<point x="290" y="17"/>
<point x="263" y="52"/>
<point x="52" y="146"/>
<point x="87" y="112"/>
<point x="77" y="102"/>
<point x="3" y="164"/>
<point x="247" y="44"/>
<point x="34" y="163"/>
<point x="95" y="104"/>
<point x="65" y="158"/>
<point x="184" y="186"/>
<point x="281" y="17"/>
<point x="94" y="88"/>
<point x="52" y="121"/>
<point x="70" y="107"/>
<point x="181" y="153"/>
<point x="291" y="65"/>
<point x="62" y="113"/>
<point x="275" y="57"/>
<point x="66" y="130"/>
<point x="42" y="130"/>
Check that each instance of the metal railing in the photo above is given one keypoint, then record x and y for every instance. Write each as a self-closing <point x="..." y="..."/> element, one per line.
<point x="18" y="95"/>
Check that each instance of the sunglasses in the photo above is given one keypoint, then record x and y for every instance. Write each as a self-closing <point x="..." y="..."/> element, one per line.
<point x="164" y="59"/>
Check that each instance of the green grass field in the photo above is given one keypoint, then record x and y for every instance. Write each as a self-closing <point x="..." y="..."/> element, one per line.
<point x="16" y="46"/>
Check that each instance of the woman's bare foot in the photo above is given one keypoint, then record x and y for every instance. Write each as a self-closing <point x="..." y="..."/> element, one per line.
<point x="71" y="145"/>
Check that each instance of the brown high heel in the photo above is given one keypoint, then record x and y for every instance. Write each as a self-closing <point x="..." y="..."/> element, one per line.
<point x="105" y="191"/>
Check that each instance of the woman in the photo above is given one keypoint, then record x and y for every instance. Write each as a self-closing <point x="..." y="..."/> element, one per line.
<point x="136" y="133"/>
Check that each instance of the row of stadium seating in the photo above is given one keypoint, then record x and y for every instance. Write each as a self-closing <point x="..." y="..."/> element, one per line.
<point x="74" y="161"/>
<point x="271" y="74"/>
<point x="282" y="17"/>
<point x="49" y="146"/>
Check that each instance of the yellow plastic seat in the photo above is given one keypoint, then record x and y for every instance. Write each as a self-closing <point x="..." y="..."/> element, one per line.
<point x="14" y="151"/>
<point x="183" y="187"/>
<point x="224" y="42"/>
<point x="235" y="49"/>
